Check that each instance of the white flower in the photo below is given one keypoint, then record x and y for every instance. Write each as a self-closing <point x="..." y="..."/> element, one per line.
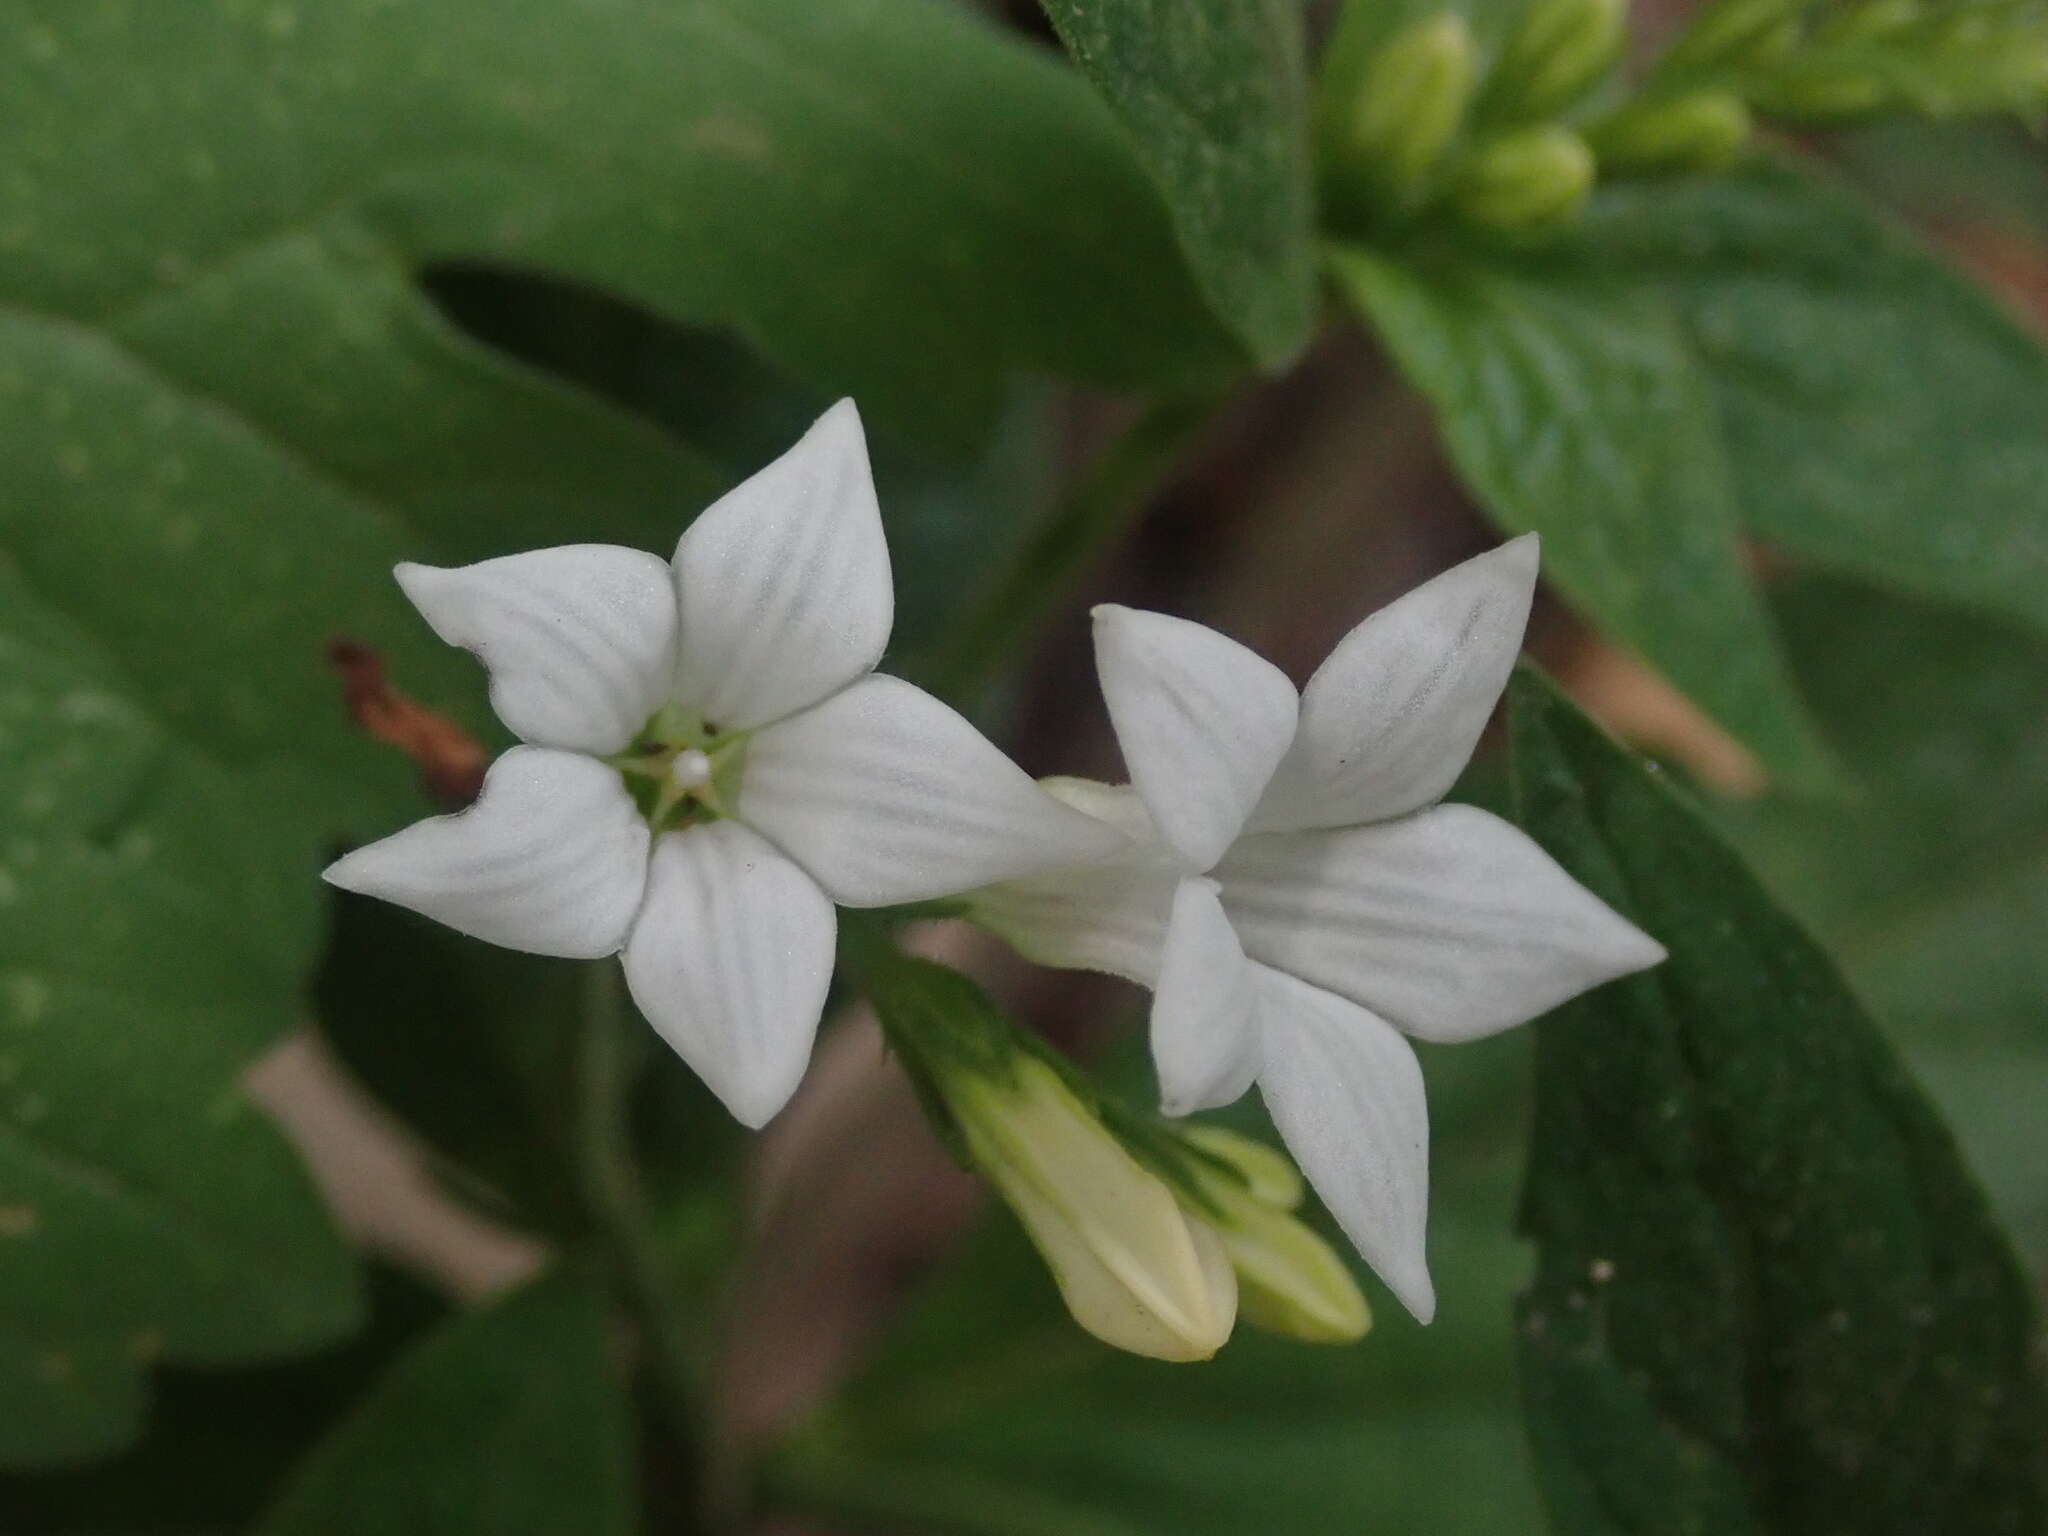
<point x="1297" y="898"/>
<point x="710" y="763"/>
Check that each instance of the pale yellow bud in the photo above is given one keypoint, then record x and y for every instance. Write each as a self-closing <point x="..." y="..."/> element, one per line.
<point x="1699" y="132"/>
<point x="1412" y="101"/>
<point x="1554" y="56"/>
<point x="1289" y="1281"/>
<point x="1268" y="1175"/>
<point x="1526" y="180"/>
<point x="1133" y="1268"/>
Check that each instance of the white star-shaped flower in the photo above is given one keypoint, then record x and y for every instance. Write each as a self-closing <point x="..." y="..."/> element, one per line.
<point x="710" y="762"/>
<point x="1297" y="898"/>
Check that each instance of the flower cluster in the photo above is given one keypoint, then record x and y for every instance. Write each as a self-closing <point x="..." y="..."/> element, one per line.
<point x="710" y="762"/>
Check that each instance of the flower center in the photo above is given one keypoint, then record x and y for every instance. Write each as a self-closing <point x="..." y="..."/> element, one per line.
<point x="681" y="770"/>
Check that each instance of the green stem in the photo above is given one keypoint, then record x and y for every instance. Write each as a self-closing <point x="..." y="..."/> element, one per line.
<point x="1042" y="574"/>
<point x="610" y="1185"/>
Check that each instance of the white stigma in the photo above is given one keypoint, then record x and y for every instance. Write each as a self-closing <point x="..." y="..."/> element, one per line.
<point x="690" y="769"/>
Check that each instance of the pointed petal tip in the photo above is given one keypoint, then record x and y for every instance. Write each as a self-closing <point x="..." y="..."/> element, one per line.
<point x="1415" y="1291"/>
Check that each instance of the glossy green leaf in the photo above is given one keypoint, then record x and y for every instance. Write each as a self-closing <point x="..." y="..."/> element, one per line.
<point x="1883" y="416"/>
<point x="1573" y="406"/>
<point x="1930" y="883"/>
<point x="1770" y="1298"/>
<point x="1215" y="96"/>
<point x="506" y="1421"/>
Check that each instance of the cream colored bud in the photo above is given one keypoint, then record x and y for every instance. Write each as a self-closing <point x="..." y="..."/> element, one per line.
<point x="1698" y="132"/>
<point x="1526" y="180"/>
<point x="1268" y="1175"/>
<point x="1289" y="1281"/>
<point x="1411" y="102"/>
<point x="1133" y="1268"/>
<point x="1554" y="56"/>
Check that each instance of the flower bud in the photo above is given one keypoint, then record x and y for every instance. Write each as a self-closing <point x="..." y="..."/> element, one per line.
<point x="1526" y="180"/>
<point x="1557" y="54"/>
<point x="1736" y="32"/>
<point x="1698" y="132"/>
<point x="1133" y="1267"/>
<point x="1289" y="1281"/>
<point x="1267" y="1175"/>
<point x="1411" y="101"/>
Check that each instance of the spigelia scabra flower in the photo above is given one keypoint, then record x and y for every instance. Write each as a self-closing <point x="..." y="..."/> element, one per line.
<point x="1301" y="902"/>
<point x="709" y="763"/>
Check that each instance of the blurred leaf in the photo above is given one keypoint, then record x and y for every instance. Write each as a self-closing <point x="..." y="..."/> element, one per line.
<point x="220" y="1440"/>
<point x="1573" y="407"/>
<point x="1883" y="416"/>
<point x="1931" y="885"/>
<point x="990" y="1414"/>
<point x="895" y="201"/>
<point x="147" y="1210"/>
<point x="1215" y="95"/>
<point x="1770" y="1298"/>
<point x="505" y="1421"/>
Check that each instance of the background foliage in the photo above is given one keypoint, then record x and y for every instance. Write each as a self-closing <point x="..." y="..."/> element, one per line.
<point x="291" y="292"/>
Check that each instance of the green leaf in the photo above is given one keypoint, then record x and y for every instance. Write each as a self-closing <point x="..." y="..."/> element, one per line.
<point x="1882" y="415"/>
<point x="227" y="409"/>
<point x="1215" y="96"/>
<point x="221" y="1440"/>
<point x="506" y="1421"/>
<point x="1573" y="407"/>
<point x="990" y="1414"/>
<point x="1769" y="1297"/>
<point x="895" y="201"/>
<point x="1931" y="884"/>
<point x="148" y="1211"/>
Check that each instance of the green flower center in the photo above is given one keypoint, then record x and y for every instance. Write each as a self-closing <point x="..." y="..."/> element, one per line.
<point x="681" y="770"/>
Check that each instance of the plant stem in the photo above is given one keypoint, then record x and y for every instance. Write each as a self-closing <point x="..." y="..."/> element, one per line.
<point x="610" y="1186"/>
<point x="1040" y="576"/>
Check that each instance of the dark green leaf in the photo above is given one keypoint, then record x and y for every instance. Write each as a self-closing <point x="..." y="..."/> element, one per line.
<point x="507" y="1421"/>
<point x="1215" y="96"/>
<point x="1770" y="1298"/>
<point x="220" y="1440"/>
<point x="1573" y="407"/>
<point x="1882" y="415"/>
<point x="1931" y="884"/>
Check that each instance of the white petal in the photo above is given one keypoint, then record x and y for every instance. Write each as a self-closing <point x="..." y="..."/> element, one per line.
<point x="886" y="795"/>
<point x="730" y="959"/>
<point x="1108" y="916"/>
<point x="579" y="640"/>
<point x="783" y="583"/>
<point x="1203" y="723"/>
<point x="1203" y="1042"/>
<point x="551" y="859"/>
<point x="1346" y="1092"/>
<point x="1450" y="922"/>
<point x="1390" y="719"/>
